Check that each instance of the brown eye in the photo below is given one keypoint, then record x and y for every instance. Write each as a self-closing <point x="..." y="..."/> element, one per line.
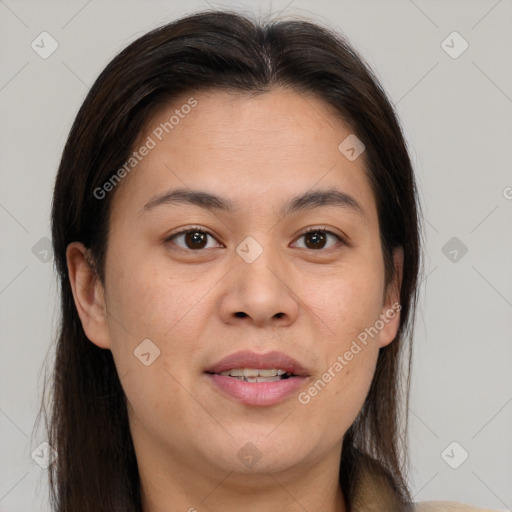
<point x="316" y="239"/>
<point x="193" y="239"/>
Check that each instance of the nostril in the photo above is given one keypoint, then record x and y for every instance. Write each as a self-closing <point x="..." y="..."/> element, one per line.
<point x="240" y="314"/>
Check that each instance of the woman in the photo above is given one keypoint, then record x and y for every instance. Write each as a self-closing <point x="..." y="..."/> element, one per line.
<point x="235" y="227"/>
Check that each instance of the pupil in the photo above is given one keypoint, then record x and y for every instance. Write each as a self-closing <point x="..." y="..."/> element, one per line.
<point x="196" y="240"/>
<point x="315" y="235"/>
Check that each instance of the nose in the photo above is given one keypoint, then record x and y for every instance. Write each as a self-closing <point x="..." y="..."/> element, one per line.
<point x="260" y="292"/>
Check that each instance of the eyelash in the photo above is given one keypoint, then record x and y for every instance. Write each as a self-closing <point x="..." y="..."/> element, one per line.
<point x="194" y="229"/>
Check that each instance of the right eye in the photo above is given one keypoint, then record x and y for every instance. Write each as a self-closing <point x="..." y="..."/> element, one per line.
<point x="193" y="238"/>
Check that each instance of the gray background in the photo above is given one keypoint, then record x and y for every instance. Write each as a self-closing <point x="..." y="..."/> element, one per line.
<point x="456" y="114"/>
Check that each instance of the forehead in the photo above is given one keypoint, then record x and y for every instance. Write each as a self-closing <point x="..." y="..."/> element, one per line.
<point x="252" y="149"/>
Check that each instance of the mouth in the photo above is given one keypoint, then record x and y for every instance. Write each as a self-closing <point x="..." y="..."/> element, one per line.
<point x="258" y="375"/>
<point x="258" y="379"/>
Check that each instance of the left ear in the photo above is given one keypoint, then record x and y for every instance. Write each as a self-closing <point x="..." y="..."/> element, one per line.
<point x="390" y="313"/>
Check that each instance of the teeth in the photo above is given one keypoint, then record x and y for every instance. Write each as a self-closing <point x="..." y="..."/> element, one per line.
<point x="249" y="373"/>
<point x="261" y="379"/>
<point x="234" y="373"/>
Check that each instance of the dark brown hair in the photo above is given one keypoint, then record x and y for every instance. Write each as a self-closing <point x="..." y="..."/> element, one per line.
<point x="96" y="468"/>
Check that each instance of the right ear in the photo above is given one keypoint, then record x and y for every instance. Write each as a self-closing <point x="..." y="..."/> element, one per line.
<point x="88" y="294"/>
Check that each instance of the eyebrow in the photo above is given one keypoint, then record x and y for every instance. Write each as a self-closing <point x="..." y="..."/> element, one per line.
<point x="209" y="201"/>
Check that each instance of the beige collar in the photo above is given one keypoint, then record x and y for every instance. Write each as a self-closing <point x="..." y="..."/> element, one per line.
<point x="372" y="489"/>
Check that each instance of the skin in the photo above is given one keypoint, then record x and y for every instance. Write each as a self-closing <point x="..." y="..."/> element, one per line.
<point x="186" y="433"/>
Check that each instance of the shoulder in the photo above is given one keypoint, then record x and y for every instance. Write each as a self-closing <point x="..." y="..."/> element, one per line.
<point x="445" y="506"/>
<point x="372" y="488"/>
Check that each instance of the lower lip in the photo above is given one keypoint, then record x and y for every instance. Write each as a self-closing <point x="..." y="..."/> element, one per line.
<point x="257" y="393"/>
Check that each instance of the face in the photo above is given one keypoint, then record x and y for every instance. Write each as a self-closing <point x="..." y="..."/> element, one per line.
<point x="199" y="282"/>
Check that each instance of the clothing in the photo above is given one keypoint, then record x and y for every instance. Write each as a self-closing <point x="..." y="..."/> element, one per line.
<point x="372" y="490"/>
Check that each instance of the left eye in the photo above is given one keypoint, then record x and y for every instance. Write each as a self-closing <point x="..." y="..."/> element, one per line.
<point x="316" y="238"/>
<point x="197" y="239"/>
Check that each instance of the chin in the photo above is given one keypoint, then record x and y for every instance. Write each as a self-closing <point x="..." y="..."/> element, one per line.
<point x="261" y="452"/>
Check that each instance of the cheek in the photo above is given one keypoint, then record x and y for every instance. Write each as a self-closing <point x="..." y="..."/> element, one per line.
<point x="146" y="302"/>
<point x="345" y="301"/>
<point x="336" y="395"/>
<point x="151" y="299"/>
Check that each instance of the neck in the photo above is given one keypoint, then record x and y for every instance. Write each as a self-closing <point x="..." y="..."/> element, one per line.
<point x="168" y="484"/>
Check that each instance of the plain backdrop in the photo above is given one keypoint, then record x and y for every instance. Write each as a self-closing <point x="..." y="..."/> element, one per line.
<point x="455" y="107"/>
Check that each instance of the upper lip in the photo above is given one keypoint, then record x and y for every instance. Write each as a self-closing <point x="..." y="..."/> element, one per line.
<point x="248" y="359"/>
